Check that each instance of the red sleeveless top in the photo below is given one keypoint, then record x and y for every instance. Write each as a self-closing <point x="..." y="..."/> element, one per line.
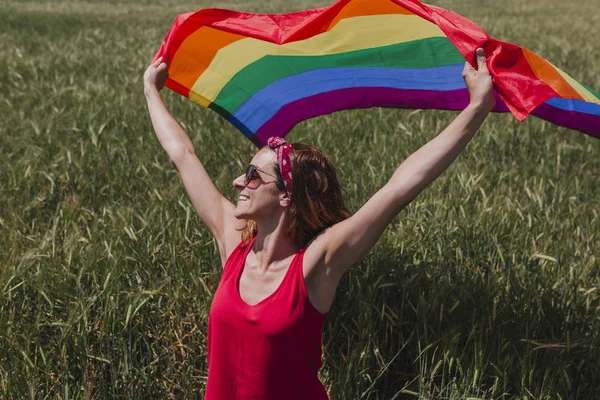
<point x="271" y="350"/>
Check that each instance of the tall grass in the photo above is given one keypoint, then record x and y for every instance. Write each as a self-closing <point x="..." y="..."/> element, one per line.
<point x="486" y="286"/>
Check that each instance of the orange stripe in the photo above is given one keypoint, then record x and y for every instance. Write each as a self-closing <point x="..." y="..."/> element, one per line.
<point x="547" y="73"/>
<point x="359" y="8"/>
<point x="196" y="53"/>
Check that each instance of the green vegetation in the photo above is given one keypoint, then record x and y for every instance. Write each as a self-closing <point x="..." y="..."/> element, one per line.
<point x="487" y="286"/>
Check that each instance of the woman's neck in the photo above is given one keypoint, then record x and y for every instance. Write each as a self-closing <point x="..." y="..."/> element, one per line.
<point x="272" y="242"/>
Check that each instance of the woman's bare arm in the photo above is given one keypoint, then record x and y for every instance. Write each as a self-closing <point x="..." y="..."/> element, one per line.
<point x="215" y="211"/>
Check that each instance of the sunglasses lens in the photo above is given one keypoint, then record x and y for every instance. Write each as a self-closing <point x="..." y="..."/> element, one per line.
<point x="250" y="174"/>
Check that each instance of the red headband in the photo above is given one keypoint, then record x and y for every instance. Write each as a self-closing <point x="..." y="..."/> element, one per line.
<point x="282" y="150"/>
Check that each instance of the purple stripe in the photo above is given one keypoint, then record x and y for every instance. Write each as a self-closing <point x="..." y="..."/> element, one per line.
<point x="292" y="113"/>
<point x="584" y="122"/>
<point x="325" y="103"/>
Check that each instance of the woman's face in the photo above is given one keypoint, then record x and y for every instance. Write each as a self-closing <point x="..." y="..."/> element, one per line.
<point x="261" y="197"/>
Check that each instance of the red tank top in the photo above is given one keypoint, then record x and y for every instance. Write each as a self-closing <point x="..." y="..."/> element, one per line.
<point x="271" y="350"/>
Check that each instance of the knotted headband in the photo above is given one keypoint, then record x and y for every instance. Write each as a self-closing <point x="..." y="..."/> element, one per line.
<point x="282" y="150"/>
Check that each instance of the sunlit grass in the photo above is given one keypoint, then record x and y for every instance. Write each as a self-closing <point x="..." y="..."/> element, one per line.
<point x="487" y="286"/>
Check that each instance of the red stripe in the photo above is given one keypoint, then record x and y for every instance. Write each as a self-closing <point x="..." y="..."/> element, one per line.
<point x="275" y="28"/>
<point x="177" y="87"/>
<point x="177" y="34"/>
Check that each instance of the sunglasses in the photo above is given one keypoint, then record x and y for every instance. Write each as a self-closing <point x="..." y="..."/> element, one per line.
<point x="251" y="176"/>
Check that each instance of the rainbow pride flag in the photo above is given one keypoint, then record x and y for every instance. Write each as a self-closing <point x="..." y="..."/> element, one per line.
<point x="265" y="73"/>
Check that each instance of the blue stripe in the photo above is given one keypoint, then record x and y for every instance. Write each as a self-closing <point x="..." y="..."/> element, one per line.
<point x="241" y="127"/>
<point x="265" y="103"/>
<point x="574" y="105"/>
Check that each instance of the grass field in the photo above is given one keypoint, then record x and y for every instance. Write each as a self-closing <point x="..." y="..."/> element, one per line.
<point x="487" y="286"/>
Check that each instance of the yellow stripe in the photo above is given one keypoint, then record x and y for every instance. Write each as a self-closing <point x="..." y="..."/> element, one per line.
<point x="195" y="97"/>
<point x="349" y="34"/>
<point x="583" y="92"/>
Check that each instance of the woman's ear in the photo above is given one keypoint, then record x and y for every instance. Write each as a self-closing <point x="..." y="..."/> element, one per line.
<point x="284" y="200"/>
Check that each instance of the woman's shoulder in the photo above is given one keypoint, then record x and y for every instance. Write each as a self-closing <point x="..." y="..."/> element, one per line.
<point x="239" y="251"/>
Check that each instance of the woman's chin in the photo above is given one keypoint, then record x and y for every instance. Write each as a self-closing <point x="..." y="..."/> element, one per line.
<point x="241" y="214"/>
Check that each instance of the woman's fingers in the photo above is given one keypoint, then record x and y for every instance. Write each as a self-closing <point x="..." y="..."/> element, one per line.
<point x="156" y="74"/>
<point x="479" y="81"/>
<point x="162" y="74"/>
<point x="467" y="70"/>
<point x="162" y="71"/>
<point x="481" y="64"/>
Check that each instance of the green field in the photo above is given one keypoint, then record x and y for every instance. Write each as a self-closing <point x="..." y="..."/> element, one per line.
<point x="486" y="287"/>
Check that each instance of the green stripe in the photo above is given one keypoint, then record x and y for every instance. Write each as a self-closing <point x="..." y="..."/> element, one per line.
<point x="591" y="91"/>
<point x="423" y="53"/>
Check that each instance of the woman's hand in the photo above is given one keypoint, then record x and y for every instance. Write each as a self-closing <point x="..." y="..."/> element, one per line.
<point x="479" y="83"/>
<point x="156" y="75"/>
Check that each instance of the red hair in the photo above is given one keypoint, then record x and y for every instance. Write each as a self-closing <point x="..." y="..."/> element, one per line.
<point x="317" y="201"/>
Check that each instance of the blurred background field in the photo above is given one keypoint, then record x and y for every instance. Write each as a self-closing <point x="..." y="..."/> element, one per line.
<point x="487" y="286"/>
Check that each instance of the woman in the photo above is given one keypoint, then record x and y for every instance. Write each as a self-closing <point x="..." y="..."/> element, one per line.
<point x="288" y="241"/>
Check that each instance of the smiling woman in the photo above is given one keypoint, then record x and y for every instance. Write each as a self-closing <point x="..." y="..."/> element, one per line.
<point x="289" y="240"/>
<point x="317" y="194"/>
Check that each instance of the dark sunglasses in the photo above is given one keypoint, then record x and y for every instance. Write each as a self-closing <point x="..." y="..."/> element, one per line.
<point x="251" y="175"/>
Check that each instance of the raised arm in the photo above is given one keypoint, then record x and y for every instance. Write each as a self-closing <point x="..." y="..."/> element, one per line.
<point x="212" y="207"/>
<point x="345" y="243"/>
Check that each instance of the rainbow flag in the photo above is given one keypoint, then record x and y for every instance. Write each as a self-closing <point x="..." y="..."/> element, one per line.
<point x="265" y="73"/>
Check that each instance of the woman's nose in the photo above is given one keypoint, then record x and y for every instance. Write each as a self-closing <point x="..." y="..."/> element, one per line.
<point x="238" y="183"/>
